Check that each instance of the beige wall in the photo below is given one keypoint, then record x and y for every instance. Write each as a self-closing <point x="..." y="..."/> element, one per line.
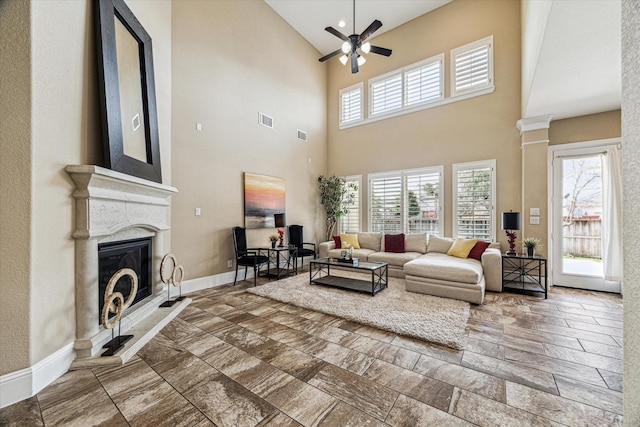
<point x="59" y="102"/>
<point x="15" y="184"/>
<point x="585" y="128"/>
<point x="231" y="61"/>
<point x="631" y="214"/>
<point x="480" y="128"/>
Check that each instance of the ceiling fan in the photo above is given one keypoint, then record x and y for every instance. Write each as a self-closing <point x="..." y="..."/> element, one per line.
<point x="354" y="42"/>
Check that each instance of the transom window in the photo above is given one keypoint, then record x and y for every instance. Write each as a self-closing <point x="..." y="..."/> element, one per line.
<point x="472" y="66"/>
<point x="351" y="104"/>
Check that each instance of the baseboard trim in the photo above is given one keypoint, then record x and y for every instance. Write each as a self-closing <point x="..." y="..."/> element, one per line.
<point x="25" y="383"/>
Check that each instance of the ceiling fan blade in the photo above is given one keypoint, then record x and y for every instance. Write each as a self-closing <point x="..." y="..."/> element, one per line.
<point x="372" y="28"/>
<point x="380" y="50"/>
<point x="330" y="55"/>
<point x="354" y="63"/>
<point x="337" y="33"/>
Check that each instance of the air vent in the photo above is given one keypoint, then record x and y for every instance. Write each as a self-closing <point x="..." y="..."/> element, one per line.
<point x="265" y="120"/>
<point x="302" y="135"/>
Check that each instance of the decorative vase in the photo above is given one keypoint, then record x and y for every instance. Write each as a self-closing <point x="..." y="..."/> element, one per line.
<point x="531" y="252"/>
<point x="273" y="244"/>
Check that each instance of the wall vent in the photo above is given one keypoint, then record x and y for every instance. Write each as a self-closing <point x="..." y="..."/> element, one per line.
<point x="265" y="120"/>
<point x="302" y="135"/>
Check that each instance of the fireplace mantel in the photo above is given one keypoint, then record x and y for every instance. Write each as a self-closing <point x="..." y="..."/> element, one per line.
<point x="112" y="206"/>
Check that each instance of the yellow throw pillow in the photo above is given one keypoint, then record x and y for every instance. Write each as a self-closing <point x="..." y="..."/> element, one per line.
<point x="462" y="247"/>
<point x="350" y="239"/>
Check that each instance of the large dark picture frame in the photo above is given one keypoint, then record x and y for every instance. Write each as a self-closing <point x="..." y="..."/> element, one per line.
<point x="107" y="12"/>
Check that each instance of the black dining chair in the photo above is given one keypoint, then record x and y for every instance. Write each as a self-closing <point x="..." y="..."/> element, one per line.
<point x="247" y="257"/>
<point x="296" y="239"/>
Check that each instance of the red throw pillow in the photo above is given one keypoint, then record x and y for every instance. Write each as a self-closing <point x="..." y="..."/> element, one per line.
<point x="337" y="241"/>
<point x="394" y="243"/>
<point x="478" y="249"/>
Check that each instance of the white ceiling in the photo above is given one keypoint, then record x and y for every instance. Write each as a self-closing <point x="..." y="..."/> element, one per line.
<point x="578" y="68"/>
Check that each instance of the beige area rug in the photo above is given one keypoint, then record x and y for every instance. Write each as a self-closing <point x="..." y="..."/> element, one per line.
<point x="438" y="320"/>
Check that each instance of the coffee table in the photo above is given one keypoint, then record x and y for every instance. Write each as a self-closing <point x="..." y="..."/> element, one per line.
<point x="320" y="274"/>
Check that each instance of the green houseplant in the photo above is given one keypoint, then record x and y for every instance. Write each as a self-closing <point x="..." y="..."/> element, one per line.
<point x="336" y="199"/>
<point x="530" y="244"/>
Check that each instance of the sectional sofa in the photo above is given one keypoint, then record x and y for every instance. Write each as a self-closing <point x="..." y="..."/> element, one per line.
<point x="429" y="264"/>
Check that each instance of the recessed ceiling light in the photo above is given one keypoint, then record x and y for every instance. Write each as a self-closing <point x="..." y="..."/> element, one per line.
<point x="341" y="24"/>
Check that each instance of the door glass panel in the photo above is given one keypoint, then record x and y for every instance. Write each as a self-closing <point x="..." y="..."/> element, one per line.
<point x="582" y="216"/>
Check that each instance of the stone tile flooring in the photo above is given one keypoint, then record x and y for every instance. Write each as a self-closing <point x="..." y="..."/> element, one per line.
<point x="237" y="359"/>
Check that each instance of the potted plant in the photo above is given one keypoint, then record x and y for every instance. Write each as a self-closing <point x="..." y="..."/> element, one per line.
<point x="530" y="244"/>
<point x="336" y="199"/>
<point x="274" y="238"/>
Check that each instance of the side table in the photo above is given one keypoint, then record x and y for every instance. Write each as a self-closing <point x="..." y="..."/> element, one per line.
<point x="282" y="261"/>
<point x="522" y="273"/>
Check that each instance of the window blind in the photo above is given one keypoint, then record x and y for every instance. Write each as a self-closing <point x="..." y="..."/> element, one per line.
<point x="386" y="94"/>
<point x="472" y="66"/>
<point x="350" y="223"/>
<point x="385" y="204"/>
<point x="423" y="202"/>
<point x="474" y="196"/>
<point x="351" y="104"/>
<point x="423" y="83"/>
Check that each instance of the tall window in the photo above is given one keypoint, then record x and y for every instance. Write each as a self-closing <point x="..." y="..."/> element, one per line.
<point x="351" y="104"/>
<point x="406" y="201"/>
<point x="351" y="223"/>
<point x="472" y="67"/>
<point x="474" y="200"/>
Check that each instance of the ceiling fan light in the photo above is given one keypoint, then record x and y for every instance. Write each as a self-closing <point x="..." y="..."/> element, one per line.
<point x="361" y="60"/>
<point x="346" y="47"/>
<point x="366" y="47"/>
<point x="344" y="59"/>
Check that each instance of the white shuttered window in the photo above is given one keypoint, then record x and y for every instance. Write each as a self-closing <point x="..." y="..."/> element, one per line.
<point x="472" y="67"/>
<point x="474" y="200"/>
<point x="423" y="82"/>
<point x="386" y="94"/>
<point x="351" y="104"/>
<point x="351" y="222"/>
<point x="407" y="202"/>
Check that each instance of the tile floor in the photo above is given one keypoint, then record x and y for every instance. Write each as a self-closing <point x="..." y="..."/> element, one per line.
<point x="236" y="359"/>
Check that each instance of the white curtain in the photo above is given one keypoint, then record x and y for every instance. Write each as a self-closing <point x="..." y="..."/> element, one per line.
<point x="612" y="214"/>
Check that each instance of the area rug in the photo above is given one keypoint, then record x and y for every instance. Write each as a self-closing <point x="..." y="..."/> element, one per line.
<point x="438" y="320"/>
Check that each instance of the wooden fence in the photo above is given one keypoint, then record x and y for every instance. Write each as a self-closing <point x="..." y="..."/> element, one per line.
<point x="583" y="238"/>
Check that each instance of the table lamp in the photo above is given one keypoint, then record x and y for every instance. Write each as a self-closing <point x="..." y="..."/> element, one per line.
<point x="281" y="222"/>
<point x="510" y="223"/>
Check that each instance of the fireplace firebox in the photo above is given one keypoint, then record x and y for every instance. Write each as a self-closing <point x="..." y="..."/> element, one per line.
<point x="134" y="254"/>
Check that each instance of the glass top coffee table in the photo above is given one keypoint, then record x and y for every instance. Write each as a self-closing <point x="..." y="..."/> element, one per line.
<point x="320" y="274"/>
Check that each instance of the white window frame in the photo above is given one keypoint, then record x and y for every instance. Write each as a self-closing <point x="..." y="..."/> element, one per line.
<point x="487" y="41"/>
<point x="457" y="167"/>
<point x="401" y="72"/>
<point x="357" y="179"/>
<point x="359" y="87"/>
<point x="402" y="175"/>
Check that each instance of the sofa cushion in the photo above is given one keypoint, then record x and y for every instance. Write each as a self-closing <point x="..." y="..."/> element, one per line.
<point x="444" y="267"/>
<point x="349" y="240"/>
<point x="461" y="248"/>
<point x="394" y="243"/>
<point x="439" y="244"/>
<point x="416" y="243"/>
<point x="370" y="241"/>
<point x="478" y="249"/>
<point x="392" y="258"/>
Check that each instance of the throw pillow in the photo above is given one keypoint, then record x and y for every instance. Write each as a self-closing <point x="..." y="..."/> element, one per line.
<point x="439" y="244"/>
<point x="478" y="250"/>
<point x="349" y="239"/>
<point x="416" y="243"/>
<point x="336" y="240"/>
<point x="394" y="243"/>
<point x="462" y="247"/>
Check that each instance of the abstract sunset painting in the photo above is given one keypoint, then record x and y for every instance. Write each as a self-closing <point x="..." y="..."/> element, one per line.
<point x="264" y="196"/>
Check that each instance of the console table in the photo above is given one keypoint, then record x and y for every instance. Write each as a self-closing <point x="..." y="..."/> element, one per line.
<point x="522" y="273"/>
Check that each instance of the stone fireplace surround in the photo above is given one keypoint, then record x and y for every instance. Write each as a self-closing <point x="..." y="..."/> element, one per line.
<point x="112" y="206"/>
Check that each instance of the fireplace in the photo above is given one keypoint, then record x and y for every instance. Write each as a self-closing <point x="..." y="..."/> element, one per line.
<point x="120" y="221"/>
<point x="133" y="254"/>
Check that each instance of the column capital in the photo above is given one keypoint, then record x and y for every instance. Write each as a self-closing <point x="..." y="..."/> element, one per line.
<point x="533" y="123"/>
